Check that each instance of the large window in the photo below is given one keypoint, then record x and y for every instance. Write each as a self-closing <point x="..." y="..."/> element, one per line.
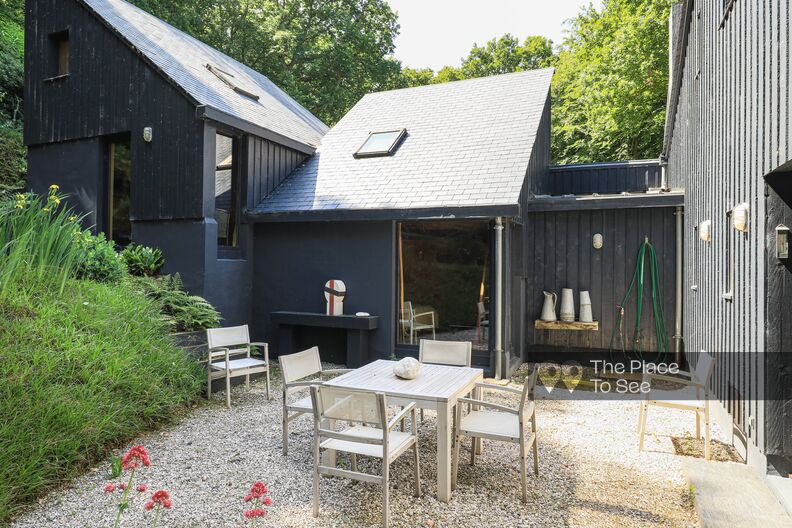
<point x="59" y="54"/>
<point x="226" y="192"/>
<point x="444" y="278"/>
<point x="119" y="225"/>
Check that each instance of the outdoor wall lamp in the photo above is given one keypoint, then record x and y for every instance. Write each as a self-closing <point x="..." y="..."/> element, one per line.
<point x="705" y="230"/>
<point x="148" y="134"/>
<point x="782" y="242"/>
<point x="597" y="241"/>
<point x="740" y="218"/>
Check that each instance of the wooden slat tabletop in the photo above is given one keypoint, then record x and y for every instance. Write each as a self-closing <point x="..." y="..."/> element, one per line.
<point x="434" y="382"/>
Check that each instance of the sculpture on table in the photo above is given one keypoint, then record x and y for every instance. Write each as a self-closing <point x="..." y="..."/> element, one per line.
<point x="335" y="291"/>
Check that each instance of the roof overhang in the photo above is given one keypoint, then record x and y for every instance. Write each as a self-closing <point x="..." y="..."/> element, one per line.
<point x="616" y="201"/>
<point x="430" y="213"/>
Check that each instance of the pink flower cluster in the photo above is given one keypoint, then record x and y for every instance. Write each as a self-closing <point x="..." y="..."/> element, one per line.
<point x="135" y="457"/>
<point x="258" y="495"/>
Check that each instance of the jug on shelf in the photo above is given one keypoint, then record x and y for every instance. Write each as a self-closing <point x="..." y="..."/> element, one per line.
<point x="567" y="305"/>
<point x="549" y="307"/>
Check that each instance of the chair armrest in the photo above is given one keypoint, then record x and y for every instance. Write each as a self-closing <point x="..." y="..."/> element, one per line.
<point x="219" y="349"/>
<point x="265" y="346"/>
<point x="661" y="377"/>
<point x="482" y="385"/>
<point x="295" y="384"/>
<point x="337" y="371"/>
<point x="488" y="404"/>
<point x="424" y="314"/>
<point x="401" y="416"/>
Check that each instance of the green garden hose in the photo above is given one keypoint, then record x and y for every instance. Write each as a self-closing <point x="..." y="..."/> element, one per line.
<point x="638" y="277"/>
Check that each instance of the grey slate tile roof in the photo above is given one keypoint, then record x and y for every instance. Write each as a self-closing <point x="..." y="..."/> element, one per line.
<point x="183" y="59"/>
<point x="468" y="145"/>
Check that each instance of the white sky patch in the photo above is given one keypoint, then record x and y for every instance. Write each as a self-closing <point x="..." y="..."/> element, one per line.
<point x="437" y="33"/>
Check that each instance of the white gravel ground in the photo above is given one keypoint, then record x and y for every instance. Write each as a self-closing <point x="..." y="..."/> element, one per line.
<point x="591" y="474"/>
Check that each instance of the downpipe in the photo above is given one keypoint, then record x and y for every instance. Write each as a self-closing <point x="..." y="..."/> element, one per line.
<point x="498" y="297"/>
<point x="679" y="213"/>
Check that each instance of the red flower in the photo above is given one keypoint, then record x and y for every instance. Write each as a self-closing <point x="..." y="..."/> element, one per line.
<point x="135" y="457"/>
<point x="122" y="486"/>
<point x="267" y="501"/>
<point x="148" y="506"/>
<point x="142" y="488"/>
<point x="167" y="503"/>
<point x="248" y="497"/>
<point x="162" y="498"/>
<point x="110" y="488"/>
<point x="258" y="490"/>
<point x="258" y="512"/>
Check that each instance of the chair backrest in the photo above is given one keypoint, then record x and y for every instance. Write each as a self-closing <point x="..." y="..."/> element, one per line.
<point x="482" y="311"/>
<point x="704" y="367"/>
<point x="408" y="313"/>
<point x="300" y="365"/>
<point x="454" y="353"/>
<point x="235" y="336"/>
<point x="349" y="405"/>
<point x="529" y="389"/>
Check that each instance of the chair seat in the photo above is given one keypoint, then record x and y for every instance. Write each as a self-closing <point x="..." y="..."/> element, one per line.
<point x="685" y="397"/>
<point x="397" y="441"/>
<point x="491" y="423"/>
<point x="301" y="405"/>
<point x="420" y="326"/>
<point x="239" y="364"/>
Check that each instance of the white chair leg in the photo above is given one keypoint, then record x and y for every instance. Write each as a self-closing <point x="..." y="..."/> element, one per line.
<point x="385" y="497"/>
<point x="268" y="384"/>
<point x="316" y="484"/>
<point x="643" y="425"/>
<point x="422" y="415"/>
<point x="698" y="426"/>
<point x="417" y="470"/>
<point x="640" y="415"/>
<point x="455" y="463"/>
<point x="472" y="450"/>
<point x="285" y="430"/>
<point x="247" y="381"/>
<point x="523" y="471"/>
<point x="354" y="462"/>
<point x="706" y="434"/>
<point x="535" y="445"/>
<point x="209" y="385"/>
<point x="228" y="389"/>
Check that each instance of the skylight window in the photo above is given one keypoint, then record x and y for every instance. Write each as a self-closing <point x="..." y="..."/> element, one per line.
<point x="232" y="82"/>
<point x="381" y="144"/>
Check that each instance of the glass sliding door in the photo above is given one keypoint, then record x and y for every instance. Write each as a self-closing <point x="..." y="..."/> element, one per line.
<point x="119" y="225"/>
<point x="444" y="272"/>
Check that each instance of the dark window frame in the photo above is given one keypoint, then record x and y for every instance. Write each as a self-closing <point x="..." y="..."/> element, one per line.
<point x="230" y="80"/>
<point x="390" y="151"/>
<point x="235" y="252"/>
<point x="59" y="63"/>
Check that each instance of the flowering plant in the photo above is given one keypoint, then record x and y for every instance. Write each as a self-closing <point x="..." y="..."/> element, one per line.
<point x="260" y="502"/>
<point x="160" y="499"/>
<point x="136" y="458"/>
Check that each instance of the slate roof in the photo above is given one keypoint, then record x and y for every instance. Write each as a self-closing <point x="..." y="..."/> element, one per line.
<point x="183" y="59"/>
<point x="468" y="145"/>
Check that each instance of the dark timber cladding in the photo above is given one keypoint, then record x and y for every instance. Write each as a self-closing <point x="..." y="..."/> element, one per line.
<point x="110" y="90"/>
<point x="729" y="126"/>
<point x="605" y="178"/>
<point x="268" y="165"/>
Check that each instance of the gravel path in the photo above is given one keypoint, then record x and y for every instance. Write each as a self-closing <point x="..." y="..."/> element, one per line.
<point x="591" y="474"/>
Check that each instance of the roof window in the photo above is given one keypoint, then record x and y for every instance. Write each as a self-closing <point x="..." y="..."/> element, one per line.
<point x="381" y="143"/>
<point x="232" y="82"/>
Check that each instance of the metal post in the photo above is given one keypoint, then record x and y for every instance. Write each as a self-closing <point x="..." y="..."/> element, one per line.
<point x="680" y="214"/>
<point x="498" y="297"/>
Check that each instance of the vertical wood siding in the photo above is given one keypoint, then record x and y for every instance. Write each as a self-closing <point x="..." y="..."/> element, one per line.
<point x="268" y="165"/>
<point x="110" y="90"/>
<point x="561" y="255"/>
<point x="605" y="178"/>
<point x="732" y="128"/>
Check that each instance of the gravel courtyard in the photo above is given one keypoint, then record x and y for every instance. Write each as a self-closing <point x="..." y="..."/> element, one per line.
<point x="591" y="474"/>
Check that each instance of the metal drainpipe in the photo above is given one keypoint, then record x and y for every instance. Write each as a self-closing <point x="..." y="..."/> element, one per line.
<point x="680" y="214"/>
<point x="498" y="297"/>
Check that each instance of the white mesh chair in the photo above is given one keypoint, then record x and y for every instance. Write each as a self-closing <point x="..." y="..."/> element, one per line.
<point x="501" y="423"/>
<point x="452" y="353"/>
<point x="226" y="343"/>
<point x="416" y="322"/>
<point x="693" y="396"/>
<point x="373" y="436"/>
<point x="297" y="369"/>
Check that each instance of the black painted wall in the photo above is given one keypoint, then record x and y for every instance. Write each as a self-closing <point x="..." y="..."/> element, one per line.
<point x="294" y="260"/>
<point x="605" y="178"/>
<point x="561" y="255"/>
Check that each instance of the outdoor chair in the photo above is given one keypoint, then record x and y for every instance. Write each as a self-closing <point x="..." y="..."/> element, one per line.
<point x="416" y="322"/>
<point x="694" y="396"/>
<point x="482" y="321"/>
<point x="297" y="368"/>
<point x="225" y="343"/>
<point x="501" y="423"/>
<point x="452" y="353"/>
<point x="373" y="436"/>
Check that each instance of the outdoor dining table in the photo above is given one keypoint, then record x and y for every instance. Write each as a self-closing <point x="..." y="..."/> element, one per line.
<point x="437" y="387"/>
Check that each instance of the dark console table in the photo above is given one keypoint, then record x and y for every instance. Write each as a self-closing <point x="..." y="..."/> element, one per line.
<point x="357" y="331"/>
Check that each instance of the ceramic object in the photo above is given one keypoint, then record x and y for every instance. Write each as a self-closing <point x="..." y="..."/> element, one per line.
<point x="586" y="316"/>
<point x="334" y="292"/>
<point x="567" y="305"/>
<point x="549" y="307"/>
<point x="407" y="368"/>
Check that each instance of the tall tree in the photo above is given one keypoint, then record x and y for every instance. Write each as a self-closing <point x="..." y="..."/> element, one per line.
<point x="609" y="90"/>
<point x="507" y="55"/>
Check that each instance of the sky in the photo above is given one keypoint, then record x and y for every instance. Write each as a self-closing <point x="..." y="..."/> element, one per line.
<point x="437" y="33"/>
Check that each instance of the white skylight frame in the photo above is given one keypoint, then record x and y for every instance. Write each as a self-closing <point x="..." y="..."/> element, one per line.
<point x="230" y="81"/>
<point x="398" y="136"/>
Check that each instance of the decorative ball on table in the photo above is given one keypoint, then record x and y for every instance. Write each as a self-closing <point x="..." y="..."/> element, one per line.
<point x="407" y="368"/>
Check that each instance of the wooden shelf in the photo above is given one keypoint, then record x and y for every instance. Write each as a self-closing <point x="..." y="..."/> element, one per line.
<point x="563" y="325"/>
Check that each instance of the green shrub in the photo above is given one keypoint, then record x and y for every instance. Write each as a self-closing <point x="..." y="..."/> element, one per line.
<point x="79" y="374"/>
<point x="13" y="163"/>
<point x="184" y="312"/>
<point x="99" y="262"/>
<point x="142" y="260"/>
<point x="37" y="238"/>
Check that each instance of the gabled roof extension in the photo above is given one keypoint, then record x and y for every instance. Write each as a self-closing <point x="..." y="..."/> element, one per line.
<point x="468" y="146"/>
<point x="183" y="60"/>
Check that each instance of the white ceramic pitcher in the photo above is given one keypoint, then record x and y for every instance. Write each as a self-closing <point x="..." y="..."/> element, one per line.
<point x="567" y="305"/>
<point x="549" y="307"/>
<point x="586" y="315"/>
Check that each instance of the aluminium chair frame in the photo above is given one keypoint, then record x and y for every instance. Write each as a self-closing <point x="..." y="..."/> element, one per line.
<point x="224" y="347"/>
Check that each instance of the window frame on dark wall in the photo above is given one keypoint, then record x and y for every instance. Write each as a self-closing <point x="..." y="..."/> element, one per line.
<point x="232" y="250"/>
<point x="60" y="55"/>
<point x="116" y="179"/>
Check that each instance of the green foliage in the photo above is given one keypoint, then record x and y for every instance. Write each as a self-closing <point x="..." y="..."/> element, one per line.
<point x="609" y="91"/>
<point x="37" y="239"/>
<point x="99" y="261"/>
<point x="13" y="164"/>
<point x="12" y="41"/>
<point x="79" y="373"/>
<point x="142" y="260"/>
<point x="327" y="55"/>
<point x="182" y="311"/>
